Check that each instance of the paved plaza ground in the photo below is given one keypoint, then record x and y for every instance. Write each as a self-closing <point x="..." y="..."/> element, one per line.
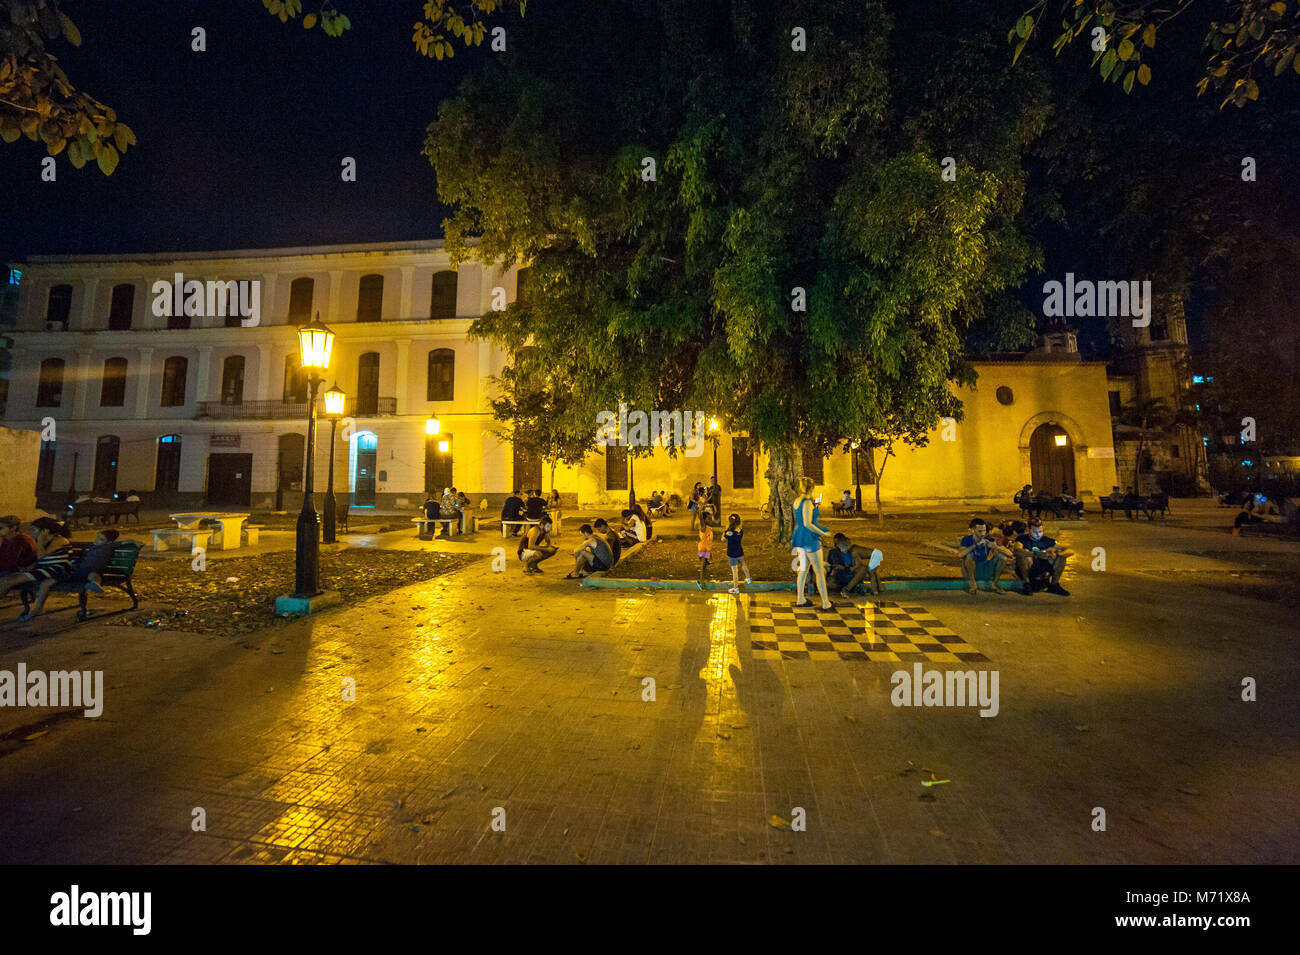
<point x="482" y="696"/>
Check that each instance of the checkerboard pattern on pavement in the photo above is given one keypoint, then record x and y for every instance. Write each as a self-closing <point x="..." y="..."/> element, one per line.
<point x="880" y="631"/>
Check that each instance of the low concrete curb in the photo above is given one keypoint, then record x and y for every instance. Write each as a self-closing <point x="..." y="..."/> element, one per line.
<point x="599" y="581"/>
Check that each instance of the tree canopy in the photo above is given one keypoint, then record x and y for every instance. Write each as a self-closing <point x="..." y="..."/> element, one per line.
<point x="743" y="208"/>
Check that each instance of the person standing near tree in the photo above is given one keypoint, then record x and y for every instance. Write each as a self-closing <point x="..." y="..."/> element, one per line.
<point x="807" y="540"/>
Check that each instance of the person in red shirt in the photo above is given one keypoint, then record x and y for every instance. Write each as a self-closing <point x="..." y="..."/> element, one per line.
<point x="17" y="549"/>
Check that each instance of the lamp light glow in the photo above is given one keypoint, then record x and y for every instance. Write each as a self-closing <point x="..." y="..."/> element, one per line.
<point x="1061" y="440"/>
<point x="334" y="399"/>
<point x="316" y="342"/>
<point x="443" y="446"/>
<point x="713" y="424"/>
<point x="432" y="426"/>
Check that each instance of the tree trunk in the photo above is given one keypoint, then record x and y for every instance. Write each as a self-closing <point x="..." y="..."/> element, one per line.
<point x="880" y="476"/>
<point x="783" y="482"/>
<point x="552" y="474"/>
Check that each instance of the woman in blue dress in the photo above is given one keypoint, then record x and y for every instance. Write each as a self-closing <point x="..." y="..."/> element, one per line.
<point x="807" y="541"/>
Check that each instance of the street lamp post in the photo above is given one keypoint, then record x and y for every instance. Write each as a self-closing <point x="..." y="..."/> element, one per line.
<point x="631" y="481"/>
<point x="315" y="342"/>
<point x="333" y="410"/>
<point x="431" y="428"/>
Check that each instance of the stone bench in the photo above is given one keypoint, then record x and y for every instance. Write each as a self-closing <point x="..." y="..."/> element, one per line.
<point x="424" y="523"/>
<point x="199" y="538"/>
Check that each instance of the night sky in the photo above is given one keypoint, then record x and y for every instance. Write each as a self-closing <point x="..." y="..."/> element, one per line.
<point x="239" y="147"/>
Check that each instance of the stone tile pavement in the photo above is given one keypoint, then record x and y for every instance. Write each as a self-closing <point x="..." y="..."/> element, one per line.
<point x="489" y="692"/>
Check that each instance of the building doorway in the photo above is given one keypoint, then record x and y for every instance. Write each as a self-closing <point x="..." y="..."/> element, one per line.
<point x="365" y="450"/>
<point x="293" y="450"/>
<point x="437" y="464"/>
<point x="167" y="473"/>
<point x="230" y="480"/>
<point x="1051" y="460"/>
<point x="106" y="450"/>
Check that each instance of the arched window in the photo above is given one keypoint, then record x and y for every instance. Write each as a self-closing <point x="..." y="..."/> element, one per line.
<point x="443" y="301"/>
<point x="232" y="380"/>
<point x="300" y="298"/>
<point x="49" y="390"/>
<point x="442" y="375"/>
<point x="59" y="306"/>
<point x="523" y="294"/>
<point x="173" y="381"/>
<point x="370" y="299"/>
<point x="112" y="393"/>
<point x="119" y="312"/>
<point x="295" y="379"/>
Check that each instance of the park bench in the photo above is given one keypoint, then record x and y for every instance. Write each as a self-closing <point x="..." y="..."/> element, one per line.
<point x="251" y="533"/>
<point x="199" y="537"/>
<point x="556" y="523"/>
<point x="102" y="511"/>
<point x="1155" y="504"/>
<point x="121" y="566"/>
<point x="426" y="522"/>
<point x="1058" y="506"/>
<point x="1150" y="505"/>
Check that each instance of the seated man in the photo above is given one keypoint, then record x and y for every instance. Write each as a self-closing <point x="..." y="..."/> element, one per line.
<point x="536" y="546"/>
<point x="849" y="564"/>
<point x="535" y="506"/>
<point x="447" y="508"/>
<point x="592" y="555"/>
<point x="88" y="570"/>
<point x="512" y="509"/>
<point x="845" y="504"/>
<point x="1040" y="561"/>
<point x="980" y="552"/>
<point x="614" y="541"/>
<point x="17" y="549"/>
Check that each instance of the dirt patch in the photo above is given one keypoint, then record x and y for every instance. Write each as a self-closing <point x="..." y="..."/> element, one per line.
<point x="174" y="597"/>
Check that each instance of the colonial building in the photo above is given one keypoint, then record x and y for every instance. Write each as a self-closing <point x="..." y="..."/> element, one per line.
<point x="178" y="395"/>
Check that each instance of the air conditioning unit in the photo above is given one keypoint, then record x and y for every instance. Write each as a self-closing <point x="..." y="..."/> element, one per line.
<point x="56" y="326"/>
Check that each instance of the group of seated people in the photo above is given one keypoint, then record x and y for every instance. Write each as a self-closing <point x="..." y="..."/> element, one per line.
<point x="46" y="559"/>
<point x="529" y="506"/>
<point x="453" y="504"/>
<point x="1260" y="508"/>
<point x="601" y="547"/>
<point x="1039" y="561"/>
<point x="660" y="505"/>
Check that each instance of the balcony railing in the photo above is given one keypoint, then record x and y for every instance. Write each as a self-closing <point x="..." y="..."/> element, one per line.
<point x="352" y="408"/>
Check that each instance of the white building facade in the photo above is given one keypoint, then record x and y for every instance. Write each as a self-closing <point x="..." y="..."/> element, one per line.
<point x="198" y="409"/>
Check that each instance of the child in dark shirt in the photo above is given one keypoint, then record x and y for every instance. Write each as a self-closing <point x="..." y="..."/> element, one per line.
<point x="734" y="535"/>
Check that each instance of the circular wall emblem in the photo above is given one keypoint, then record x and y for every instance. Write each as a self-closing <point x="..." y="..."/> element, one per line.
<point x="1004" y="395"/>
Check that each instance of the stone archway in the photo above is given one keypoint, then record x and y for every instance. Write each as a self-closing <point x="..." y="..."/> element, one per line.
<point x="1074" y="434"/>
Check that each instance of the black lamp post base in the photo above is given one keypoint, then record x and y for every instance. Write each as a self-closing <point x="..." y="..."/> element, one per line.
<point x="307" y="565"/>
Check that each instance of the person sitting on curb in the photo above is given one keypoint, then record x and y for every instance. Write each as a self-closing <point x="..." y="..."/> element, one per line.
<point x="592" y="555"/>
<point x="1038" y="558"/>
<point x="535" y="546"/>
<point x="979" y="550"/>
<point x="849" y="564"/>
<point x="615" y="542"/>
<point x="634" y="531"/>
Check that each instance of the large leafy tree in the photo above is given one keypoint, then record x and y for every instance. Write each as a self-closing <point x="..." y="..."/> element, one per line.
<point x="718" y="220"/>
